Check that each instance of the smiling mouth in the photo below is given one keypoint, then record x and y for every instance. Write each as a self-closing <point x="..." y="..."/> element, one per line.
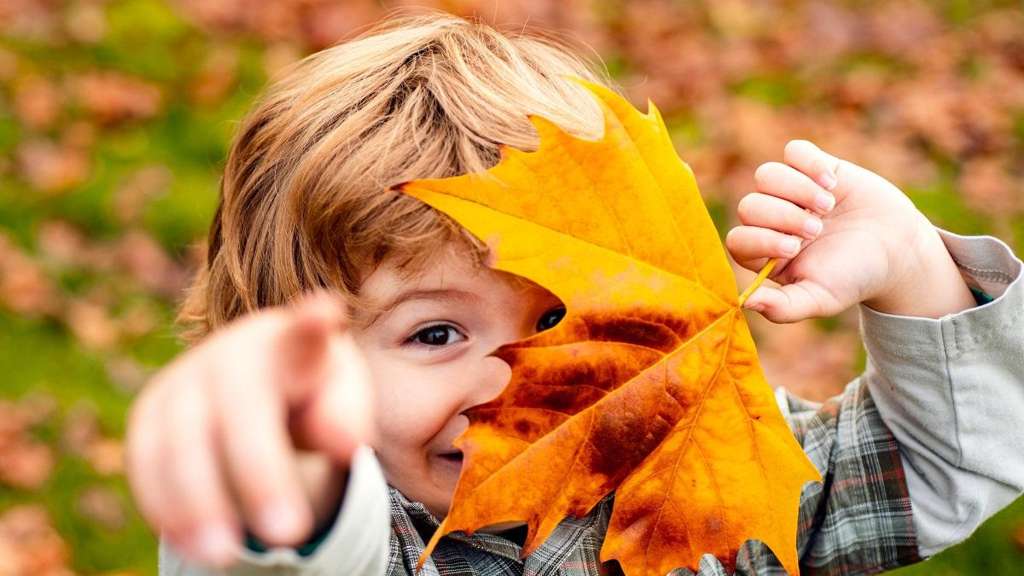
<point x="452" y="456"/>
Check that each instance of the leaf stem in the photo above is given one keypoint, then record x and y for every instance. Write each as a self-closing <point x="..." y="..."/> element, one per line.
<point x="759" y="280"/>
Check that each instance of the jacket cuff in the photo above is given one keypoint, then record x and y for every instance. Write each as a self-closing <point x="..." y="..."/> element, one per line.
<point x="914" y="360"/>
<point x="991" y="270"/>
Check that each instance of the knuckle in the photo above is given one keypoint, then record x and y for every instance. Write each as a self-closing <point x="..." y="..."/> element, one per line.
<point x="183" y="520"/>
<point x="151" y="512"/>
<point x="796" y="148"/>
<point x="796" y="145"/>
<point x="180" y="453"/>
<point x="763" y="174"/>
<point x="186" y="411"/>
<point x="136" y="419"/>
<point x="795" y="217"/>
<point x="767" y="242"/>
<point x="259" y="484"/>
<point x="140" y="433"/>
<point x="745" y="207"/>
<point x="151" y="500"/>
<point x="824" y="165"/>
<point x="140" y="490"/>
<point x="134" y="455"/>
<point x="732" y="238"/>
<point x="153" y="387"/>
<point x="820" y="165"/>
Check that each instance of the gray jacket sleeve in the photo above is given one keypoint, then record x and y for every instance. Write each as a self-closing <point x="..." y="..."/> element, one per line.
<point x="951" y="391"/>
<point x="356" y="545"/>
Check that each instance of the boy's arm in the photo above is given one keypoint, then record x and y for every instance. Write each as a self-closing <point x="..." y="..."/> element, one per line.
<point x="951" y="391"/>
<point x="357" y="543"/>
<point x="923" y="446"/>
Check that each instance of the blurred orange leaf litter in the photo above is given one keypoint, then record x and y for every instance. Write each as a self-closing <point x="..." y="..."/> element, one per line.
<point x="650" y="386"/>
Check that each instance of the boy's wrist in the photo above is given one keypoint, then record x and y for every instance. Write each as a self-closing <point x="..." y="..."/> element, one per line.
<point x="932" y="287"/>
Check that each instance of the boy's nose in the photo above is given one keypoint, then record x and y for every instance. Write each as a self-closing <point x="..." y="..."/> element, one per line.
<point x="494" y="375"/>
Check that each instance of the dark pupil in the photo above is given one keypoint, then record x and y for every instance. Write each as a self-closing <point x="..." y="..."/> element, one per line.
<point x="550" y="319"/>
<point x="434" y="336"/>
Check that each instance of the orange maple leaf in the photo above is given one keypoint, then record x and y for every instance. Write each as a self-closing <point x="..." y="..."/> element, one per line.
<point x="650" y="386"/>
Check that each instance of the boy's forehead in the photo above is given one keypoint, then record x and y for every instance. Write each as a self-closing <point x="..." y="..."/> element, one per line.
<point x="444" y="273"/>
<point x="433" y="269"/>
<point x="453" y="275"/>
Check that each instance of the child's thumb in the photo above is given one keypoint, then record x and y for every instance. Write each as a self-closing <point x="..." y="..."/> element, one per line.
<point x="783" y="304"/>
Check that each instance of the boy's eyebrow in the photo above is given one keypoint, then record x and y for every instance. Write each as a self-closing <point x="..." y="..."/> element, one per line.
<point x="419" y="294"/>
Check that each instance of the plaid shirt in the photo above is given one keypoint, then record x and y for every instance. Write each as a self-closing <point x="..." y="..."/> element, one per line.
<point x="858" y="521"/>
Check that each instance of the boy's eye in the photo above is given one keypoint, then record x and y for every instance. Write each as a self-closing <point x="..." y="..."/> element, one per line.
<point x="437" y="335"/>
<point x="550" y="319"/>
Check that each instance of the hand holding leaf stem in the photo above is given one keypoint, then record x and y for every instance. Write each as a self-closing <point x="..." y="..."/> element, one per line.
<point x="833" y="234"/>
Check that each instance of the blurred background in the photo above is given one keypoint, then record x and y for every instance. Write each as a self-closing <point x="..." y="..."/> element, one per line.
<point x="115" y="118"/>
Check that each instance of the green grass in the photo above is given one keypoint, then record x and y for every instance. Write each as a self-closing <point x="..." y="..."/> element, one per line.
<point x="48" y="362"/>
<point x="989" y="551"/>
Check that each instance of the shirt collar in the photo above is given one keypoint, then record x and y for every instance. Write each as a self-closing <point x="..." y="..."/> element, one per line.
<point x="556" y="547"/>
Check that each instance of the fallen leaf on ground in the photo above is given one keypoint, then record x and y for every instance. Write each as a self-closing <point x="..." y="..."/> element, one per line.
<point x="52" y="168"/>
<point x="103" y="506"/>
<point x="29" y="544"/>
<point x="113" y="97"/>
<point x="1017" y="536"/>
<point x="25" y="464"/>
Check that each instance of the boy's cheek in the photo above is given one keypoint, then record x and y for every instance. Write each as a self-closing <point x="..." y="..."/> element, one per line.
<point x="417" y="416"/>
<point x="410" y="412"/>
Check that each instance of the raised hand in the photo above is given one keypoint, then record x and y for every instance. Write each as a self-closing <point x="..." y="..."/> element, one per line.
<point x="842" y="235"/>
<point x="213" y="438"/>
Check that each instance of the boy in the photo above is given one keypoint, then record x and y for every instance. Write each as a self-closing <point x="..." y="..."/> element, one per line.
<point x="259" y="429"/>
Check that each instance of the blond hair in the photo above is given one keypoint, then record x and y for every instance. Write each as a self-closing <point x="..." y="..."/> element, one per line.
<point x="306" y="198"/>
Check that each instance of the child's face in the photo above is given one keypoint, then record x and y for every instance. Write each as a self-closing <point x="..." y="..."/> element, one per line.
<point x="428" y="353"/>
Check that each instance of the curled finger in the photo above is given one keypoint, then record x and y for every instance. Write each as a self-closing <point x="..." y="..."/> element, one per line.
<point x="258" y="454"/>
<point x="771" y="212"/>
<point x="202" y="518"/>
<point x="788" y="183"/>
<point x="752" y="246"/>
